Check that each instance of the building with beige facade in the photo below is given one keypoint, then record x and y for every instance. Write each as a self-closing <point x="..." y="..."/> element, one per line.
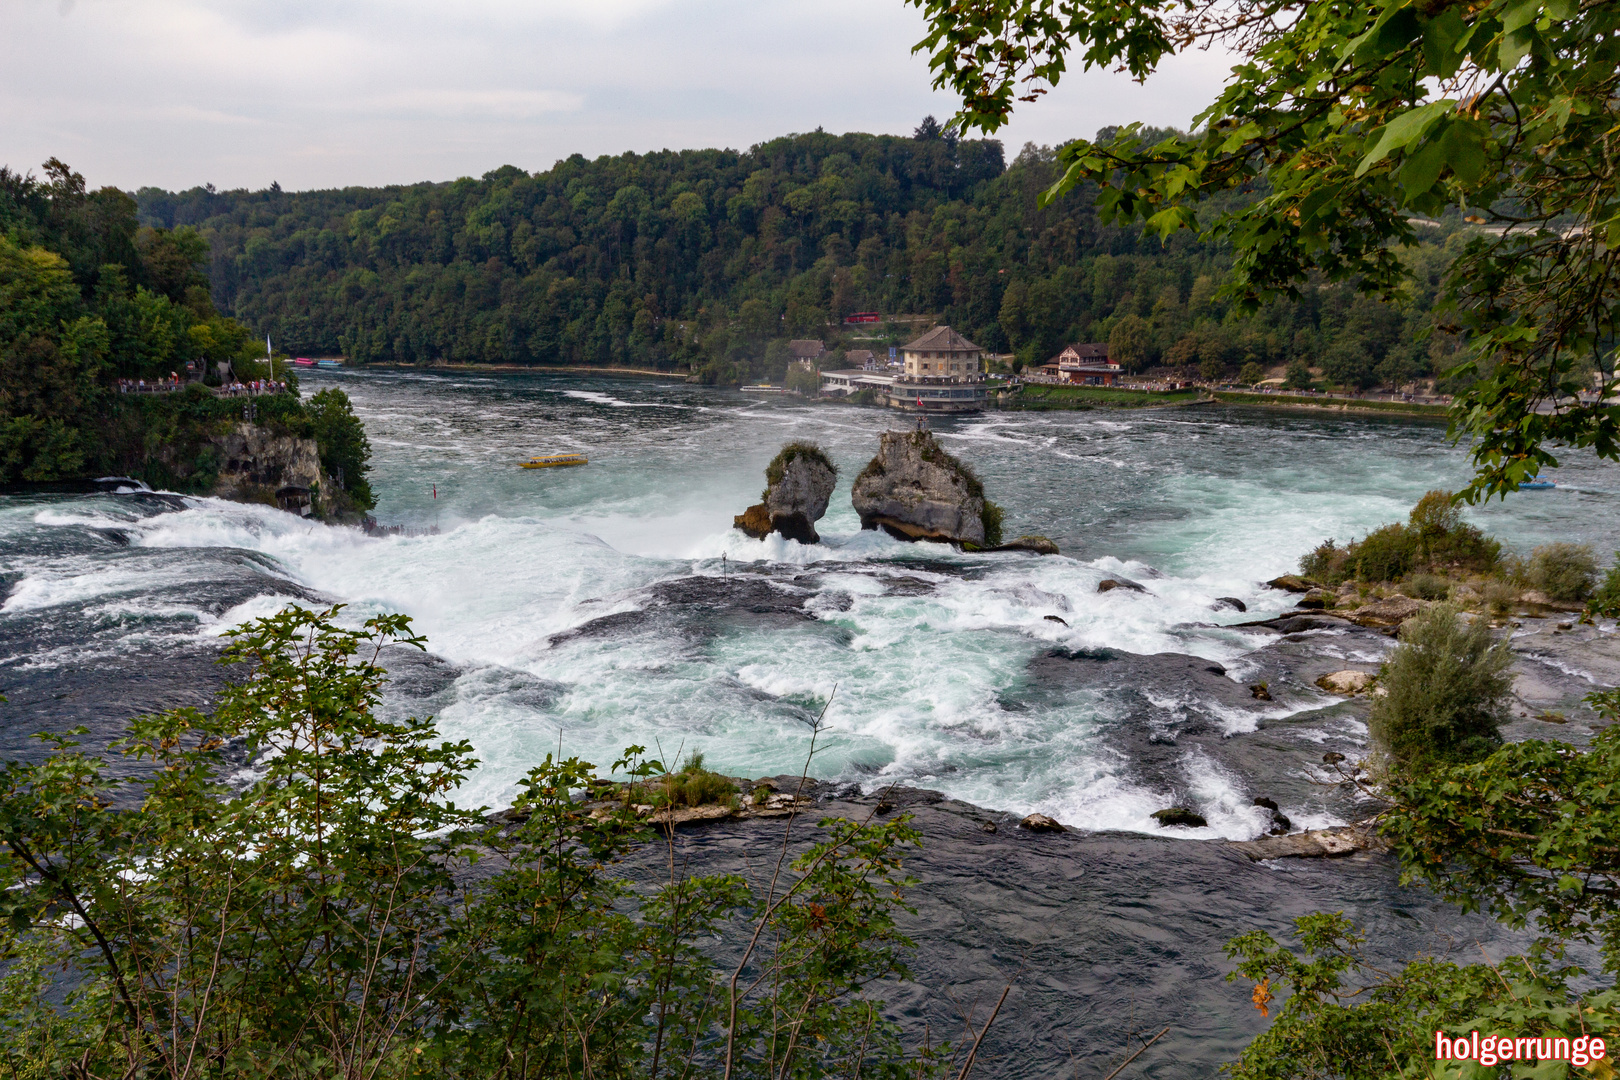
<point x="943" y="373"/>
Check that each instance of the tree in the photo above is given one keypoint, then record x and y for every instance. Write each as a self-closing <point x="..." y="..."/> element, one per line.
<point x="1351" y="119"/>
<point x="1348" y="363"/>
<point x="1130" y="343"/>
<point x="345" y="450"/>
<point x="1252" y="374"/>
<point x="1297" y="376"/>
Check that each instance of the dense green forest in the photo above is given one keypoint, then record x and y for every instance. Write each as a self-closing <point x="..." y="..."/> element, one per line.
<point x="88" y="296"/>
<point x="711" y="259"/>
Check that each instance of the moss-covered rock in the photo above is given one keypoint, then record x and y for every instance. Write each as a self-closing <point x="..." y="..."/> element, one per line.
<point x="914" y="490"/>
<point x="799" y="482"/>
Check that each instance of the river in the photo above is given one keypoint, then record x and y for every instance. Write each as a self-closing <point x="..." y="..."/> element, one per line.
<point x="586" y="609"/>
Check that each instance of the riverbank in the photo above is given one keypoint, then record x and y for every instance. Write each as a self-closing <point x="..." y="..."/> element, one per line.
<point x="1040" y="396"/>
<point x="536" y="369"/>
<point x="1334" y="405"/>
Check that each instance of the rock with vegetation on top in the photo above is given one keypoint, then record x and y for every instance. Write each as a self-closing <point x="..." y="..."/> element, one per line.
<point x="914" y="490"/>
<point x="1180" y="815"/>
<point x="798" y="483"/>
<point x="1348" y="683"/>
<point x="1318" y="600"/>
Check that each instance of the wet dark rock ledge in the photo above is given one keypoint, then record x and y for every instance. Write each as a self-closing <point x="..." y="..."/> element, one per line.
<point x="1100" y="929"/>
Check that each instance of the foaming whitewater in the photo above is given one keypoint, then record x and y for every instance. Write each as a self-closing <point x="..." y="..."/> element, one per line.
<point x="584" y="610"/>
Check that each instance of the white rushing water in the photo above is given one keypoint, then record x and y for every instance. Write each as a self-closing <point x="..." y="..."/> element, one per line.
<point x="930" y="651"/>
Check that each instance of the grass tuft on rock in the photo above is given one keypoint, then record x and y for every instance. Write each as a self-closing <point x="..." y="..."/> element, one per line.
<point x="693" y="785"/>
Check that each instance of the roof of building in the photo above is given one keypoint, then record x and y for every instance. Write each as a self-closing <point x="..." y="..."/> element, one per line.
<point x="942" y="339"/>
<point x="806" y="347"/>
<point x="858" y="356"/>
<point x="1094" y="351"/>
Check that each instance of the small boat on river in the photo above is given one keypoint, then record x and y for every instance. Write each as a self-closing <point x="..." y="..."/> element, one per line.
<point x="552" y="461"/>
<point x="304" y="361"/>
<point x="760" y="388"/>
<point x="1536" y="483"/>
<point x="329" y="363"/>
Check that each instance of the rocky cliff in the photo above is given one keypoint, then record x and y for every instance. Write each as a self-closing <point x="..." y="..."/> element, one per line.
<point x="914" y="490"/>
<point x="257" y="465"/>
<point x="799" y="482"/>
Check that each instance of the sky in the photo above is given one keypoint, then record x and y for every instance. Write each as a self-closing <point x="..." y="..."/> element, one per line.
<point x="329" y="93"/>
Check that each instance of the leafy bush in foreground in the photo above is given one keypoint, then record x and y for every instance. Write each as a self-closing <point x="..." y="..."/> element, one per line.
<point x="1605" y="599"/>
<point x="1525" y="835"/>
<point x="1444" y="691"/>
<point x="284" y="893"/>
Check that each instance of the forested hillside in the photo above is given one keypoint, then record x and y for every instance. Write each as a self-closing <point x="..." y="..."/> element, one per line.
<point x="88" y="297"/>
<point x="705" y="258"/>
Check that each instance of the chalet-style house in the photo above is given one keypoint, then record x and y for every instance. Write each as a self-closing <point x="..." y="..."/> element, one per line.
<point x="807" y="351"/>
<point x="1085" y="364"/>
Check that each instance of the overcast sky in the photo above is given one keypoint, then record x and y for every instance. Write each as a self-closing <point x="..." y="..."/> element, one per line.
<point x="325" y="93"/>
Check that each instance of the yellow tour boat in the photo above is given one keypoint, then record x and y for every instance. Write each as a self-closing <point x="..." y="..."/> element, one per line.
<point x="548" y="461"/>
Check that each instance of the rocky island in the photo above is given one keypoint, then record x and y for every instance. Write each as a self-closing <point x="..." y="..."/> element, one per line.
<point x="914" y="490"/>
<point x="798" y="484"/>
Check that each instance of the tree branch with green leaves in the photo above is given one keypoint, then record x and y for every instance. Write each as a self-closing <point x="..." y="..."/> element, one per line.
<point x="1343" y="122"/>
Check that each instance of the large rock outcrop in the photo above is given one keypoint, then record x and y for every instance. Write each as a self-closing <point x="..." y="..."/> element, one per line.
<point x="255" y="464"/>
<point x="799" y="482"/>
<point x="914" y="490"/>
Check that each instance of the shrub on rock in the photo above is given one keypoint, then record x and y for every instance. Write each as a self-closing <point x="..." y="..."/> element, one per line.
<point x="1565" y="572"/>
<point x="1445" y="691"/>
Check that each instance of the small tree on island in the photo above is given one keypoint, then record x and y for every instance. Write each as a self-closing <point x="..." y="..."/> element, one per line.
<point x="1444" y="692"/>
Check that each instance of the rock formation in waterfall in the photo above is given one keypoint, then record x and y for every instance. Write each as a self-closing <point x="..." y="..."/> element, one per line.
<point x="798" y="483"/>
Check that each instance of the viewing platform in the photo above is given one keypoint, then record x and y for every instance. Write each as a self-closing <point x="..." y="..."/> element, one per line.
<point x="939" y="393"/>
<point x="255" y="388"/>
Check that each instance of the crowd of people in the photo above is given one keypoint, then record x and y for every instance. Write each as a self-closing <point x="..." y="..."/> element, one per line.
<point x="150" y="386"/>
<point x="252" y="387"/>
<point x="173" y="383"/>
